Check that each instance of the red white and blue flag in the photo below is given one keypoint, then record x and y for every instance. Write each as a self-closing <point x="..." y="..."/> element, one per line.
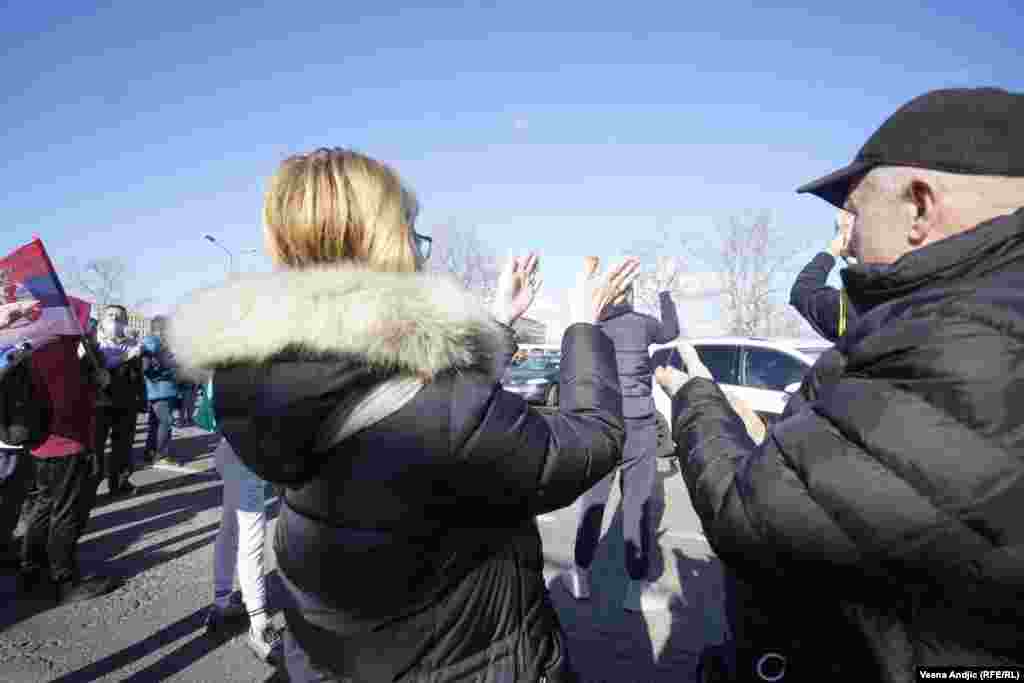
<point x="33" y="305"/>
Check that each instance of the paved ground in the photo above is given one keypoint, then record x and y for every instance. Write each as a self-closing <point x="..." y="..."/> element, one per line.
<point x="161" y="543"/>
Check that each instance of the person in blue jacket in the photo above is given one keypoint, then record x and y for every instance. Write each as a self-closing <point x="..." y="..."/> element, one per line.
<point x="161" y="392"/>
<point x="632" y="333"/>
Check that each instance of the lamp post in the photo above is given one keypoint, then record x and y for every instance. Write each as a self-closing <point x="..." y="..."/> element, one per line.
<point x="231" y="257"/>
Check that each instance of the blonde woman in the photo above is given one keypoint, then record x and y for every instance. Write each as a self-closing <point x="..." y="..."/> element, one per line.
<point x="368" y="388"/>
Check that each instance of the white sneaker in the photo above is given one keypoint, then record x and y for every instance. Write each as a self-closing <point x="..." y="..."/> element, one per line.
<point x="642" y="597"/>
<point x="267" y="645"/>
<point x="577" y="581"/>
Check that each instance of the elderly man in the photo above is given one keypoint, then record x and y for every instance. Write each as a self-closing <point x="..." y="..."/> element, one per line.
<point x="892" y="492"/>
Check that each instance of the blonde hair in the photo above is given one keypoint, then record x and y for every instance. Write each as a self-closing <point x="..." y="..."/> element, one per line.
<point x="337" y="205"/>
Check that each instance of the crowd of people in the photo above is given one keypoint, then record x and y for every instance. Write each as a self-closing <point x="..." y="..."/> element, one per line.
<point x="54" y="438"/>
<point x="367" y="389"/>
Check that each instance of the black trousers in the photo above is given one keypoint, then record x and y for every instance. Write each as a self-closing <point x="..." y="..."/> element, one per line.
<point x="14" y="487"/>
<point x="58" y="511"/>
<point x="119" y="425"/>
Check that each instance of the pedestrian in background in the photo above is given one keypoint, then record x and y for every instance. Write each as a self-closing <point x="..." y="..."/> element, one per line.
<point x="632" y="333"/>
<point x="158" y="367"/>
<point x="118" y="405"/>
<point x="826" y="308"/>
<point x="407" y="540"/>
<point x="67" y="474"/>
<point x="238" y="551"/>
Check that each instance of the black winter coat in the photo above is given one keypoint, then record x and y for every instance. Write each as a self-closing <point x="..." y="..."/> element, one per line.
<point x="409" y="548"/>
<point x="632" y="333"/>
<point x="895" y="485"/>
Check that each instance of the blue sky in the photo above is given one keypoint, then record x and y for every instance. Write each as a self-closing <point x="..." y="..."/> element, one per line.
<point x="133" y="128"/>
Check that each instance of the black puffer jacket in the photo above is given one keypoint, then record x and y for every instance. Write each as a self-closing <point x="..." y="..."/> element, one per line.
<point x="409" y="547"/>
<point x="897" y="489"/>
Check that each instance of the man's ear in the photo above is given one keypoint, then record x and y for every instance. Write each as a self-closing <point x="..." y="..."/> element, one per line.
<point x="925" y="205"/>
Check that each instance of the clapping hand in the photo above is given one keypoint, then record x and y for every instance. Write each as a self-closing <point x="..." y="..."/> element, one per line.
<point x="517" y="288"/>
<point x="672" y="380"/>
<point x="594" y="293"/>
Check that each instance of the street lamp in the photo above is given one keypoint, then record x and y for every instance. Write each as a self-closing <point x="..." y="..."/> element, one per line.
<point x="231" y="257"/>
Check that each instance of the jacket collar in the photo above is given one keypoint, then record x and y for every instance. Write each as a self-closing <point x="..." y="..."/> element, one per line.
<point x="990" y="247"/>
<point x="416" y="323"/>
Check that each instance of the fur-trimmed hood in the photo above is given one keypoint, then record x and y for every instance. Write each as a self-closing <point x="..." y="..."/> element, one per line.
<point x="418" y="323"/>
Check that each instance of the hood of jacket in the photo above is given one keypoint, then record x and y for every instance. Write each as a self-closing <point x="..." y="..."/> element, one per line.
<point x="289" y="348"/>
<point x="989" y="248"/>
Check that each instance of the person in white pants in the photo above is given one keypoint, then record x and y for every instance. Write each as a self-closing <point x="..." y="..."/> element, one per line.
<point x="239" y="550"/>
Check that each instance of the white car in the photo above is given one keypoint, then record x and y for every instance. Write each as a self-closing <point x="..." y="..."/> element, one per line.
<point x="764" y="372"/>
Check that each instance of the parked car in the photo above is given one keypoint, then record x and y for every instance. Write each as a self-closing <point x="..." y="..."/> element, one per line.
<point x="764" y="372"/>
<point x="536" y="379"/>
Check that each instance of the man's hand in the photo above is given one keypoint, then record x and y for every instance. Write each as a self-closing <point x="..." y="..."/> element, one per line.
<point x="672" y="380"/>
<point x="594" y="293"/>
<point x="840" y="244"/>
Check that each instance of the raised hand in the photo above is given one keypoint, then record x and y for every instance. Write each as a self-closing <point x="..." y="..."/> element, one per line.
<point x="597" y="293"/>
<point x="517" y="288"/>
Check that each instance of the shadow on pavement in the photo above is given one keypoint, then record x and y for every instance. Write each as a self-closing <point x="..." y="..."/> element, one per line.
<point x="167" y="666"/>
<point x="608" y="643"/>
<point x="198" y="646"/>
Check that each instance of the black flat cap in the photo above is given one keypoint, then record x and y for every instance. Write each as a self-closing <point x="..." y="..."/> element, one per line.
<point x="976" y="131"/>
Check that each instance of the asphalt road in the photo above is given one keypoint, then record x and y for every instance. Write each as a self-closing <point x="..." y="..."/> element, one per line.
<point x="161" y="543"/>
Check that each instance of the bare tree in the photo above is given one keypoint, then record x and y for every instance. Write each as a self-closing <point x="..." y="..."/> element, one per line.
<point x="102" y="279"/>
<point x="460" y="251"/>
<point x="750" y="257"/>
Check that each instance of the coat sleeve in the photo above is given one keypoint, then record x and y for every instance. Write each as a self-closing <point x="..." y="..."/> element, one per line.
<point x="668" y="329"/>
<point x="756" y="510"/>
<point x="814" y="300"/>
<point x="533" y="460"/>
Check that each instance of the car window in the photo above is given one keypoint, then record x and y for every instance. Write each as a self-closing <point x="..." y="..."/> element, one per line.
<point x="720" y="360"/>
<point x="536" y="364"/>
<point x="770" y="369"/>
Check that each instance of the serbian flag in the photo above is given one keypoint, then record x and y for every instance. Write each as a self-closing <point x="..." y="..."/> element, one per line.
<point x="33" y="305"/>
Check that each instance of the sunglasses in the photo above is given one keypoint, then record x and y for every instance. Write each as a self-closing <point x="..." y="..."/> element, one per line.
<point x="423" y="244"/>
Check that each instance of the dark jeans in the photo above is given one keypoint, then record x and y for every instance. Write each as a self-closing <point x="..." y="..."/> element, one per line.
<point x="636" y="484"/>
<point x="17" y="474"/>
<point x="58" y="511"/>
<point x="119" y="425"/>
<point x="159" y="437"/>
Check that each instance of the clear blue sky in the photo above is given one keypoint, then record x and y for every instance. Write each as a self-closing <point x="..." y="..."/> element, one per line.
<point x="132" y="128"/>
